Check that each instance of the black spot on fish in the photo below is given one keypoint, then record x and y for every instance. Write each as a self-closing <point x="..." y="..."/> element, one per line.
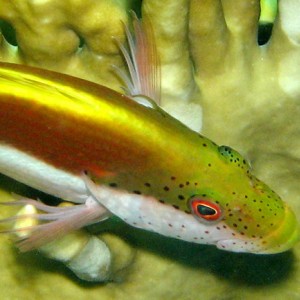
<point x="147" y="184"/>
<point x="166" y="188"/>
<point x="137" y="192"/>
<point x="113" y="184"/>
<point x="180" y="197"/>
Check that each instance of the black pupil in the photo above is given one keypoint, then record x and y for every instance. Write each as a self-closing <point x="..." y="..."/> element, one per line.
<point x="205" y="210"/>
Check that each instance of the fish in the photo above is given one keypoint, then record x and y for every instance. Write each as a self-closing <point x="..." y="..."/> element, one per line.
<point x="121" y="154"/>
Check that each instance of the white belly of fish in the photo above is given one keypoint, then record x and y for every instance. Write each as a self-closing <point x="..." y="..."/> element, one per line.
<point x="41" y="176"/>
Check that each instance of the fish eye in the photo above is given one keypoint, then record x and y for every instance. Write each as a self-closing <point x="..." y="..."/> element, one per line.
<point x="205" y="209"/>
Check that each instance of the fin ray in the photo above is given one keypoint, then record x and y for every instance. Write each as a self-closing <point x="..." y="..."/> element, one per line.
<point x="56" y="221"/>
<point x="142" y="61"/>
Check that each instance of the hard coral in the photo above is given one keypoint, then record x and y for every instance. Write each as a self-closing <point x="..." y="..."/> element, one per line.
<point x="209" y="55"/>
<point x="49" y="35"/>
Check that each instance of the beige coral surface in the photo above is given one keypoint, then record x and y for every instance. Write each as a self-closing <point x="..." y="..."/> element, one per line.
<point x="249" y="96"/>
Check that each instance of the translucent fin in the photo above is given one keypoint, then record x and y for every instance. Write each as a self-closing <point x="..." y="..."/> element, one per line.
<point x="34" y="229"/>
<point x="142" y="61"/>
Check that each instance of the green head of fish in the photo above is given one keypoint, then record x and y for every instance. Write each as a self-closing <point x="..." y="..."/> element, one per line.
<point x="259" y="221"/>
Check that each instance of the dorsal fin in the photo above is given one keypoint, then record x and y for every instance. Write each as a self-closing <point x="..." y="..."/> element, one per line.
<point x="143" y="83"/>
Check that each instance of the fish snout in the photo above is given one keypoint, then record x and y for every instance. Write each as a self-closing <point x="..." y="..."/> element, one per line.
<point x="283" y="238"/>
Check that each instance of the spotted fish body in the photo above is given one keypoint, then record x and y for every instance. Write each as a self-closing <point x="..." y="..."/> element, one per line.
<point x="143" y="165"/>
<point x="254" y="218"/>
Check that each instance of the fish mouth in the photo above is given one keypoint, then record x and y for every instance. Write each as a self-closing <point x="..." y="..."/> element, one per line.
<point x="279" y="240"/>
<point x="284" y="237"/>
<point x="287" y="237"/>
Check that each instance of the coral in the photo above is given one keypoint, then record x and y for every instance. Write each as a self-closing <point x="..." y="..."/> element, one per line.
<point x="249" y="97"/>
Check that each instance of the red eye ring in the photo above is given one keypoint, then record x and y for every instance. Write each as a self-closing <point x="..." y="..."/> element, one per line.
<point x="205" y="209"/>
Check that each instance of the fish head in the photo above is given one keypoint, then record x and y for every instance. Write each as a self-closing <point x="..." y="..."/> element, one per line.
<point x="256" y="218"/>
